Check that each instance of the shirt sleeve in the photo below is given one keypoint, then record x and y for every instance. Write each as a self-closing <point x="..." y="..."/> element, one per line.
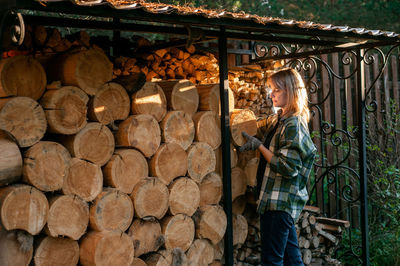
<point x="287" y="161"/>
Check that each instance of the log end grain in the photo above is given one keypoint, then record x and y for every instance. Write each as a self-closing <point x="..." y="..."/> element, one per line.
<point x="208" y="128"/>
<point x="56" y="251"/>
<point x="10" y="160"/>
<point x="210" y="189"/>
<point x="201" y="160"/>
<point x="146" y="236"/>
<point x="184" y="196"/>
<point x="68" y="216"/>
<point x="242" y="120"/>
<point x="111" y="210"/>
<point x="211" y="223"/>
<point x="178" y="231"/>
<point x="150" y="99"/>
<point x="178" y="127"/>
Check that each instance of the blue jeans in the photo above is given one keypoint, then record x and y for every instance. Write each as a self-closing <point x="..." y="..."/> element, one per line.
<point x="279" y="245"/>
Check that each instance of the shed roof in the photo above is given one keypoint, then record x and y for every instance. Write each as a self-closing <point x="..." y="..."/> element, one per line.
<point x="239" y="17"/>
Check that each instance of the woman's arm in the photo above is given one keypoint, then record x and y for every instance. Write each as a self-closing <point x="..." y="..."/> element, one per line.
<point x="266" y="153"/>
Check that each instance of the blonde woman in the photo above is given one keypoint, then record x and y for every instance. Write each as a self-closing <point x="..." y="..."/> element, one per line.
<point x="287" y="156"/>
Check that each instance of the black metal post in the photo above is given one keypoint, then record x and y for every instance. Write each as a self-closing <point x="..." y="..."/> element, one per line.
<point x="362" y="156"/>
<point x="116" y="41"/>
<point x="226" y="151"/>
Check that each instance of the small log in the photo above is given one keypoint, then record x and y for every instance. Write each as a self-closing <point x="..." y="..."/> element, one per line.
<point x="65" y="109"/>
<point x="178" y="231"/>
<point x="138" y="262"/>
<point x="94" y="143"/>
<point x="210" y="189"/>
<point x="184" y="196"/>
<point x="24" y="118"/>
<point x="239" y="204"/>
<point x="219" y="250"/>
<point x="303" y="242"/>
<point x="331" y="228"/>
<point x="181" y="95"/>
<point x="150" y="99"/>
<point x="306" y="256"/>
<point x="251" y="171"/>
<point x="242" y="120"/>
<point x="23" y="207"/>
<point x="111" y="210"/>
<point x="110" y="103"/>
<point x="201" y="160"/>
<point x="150" y="198"/>
<point x="32" y="84"/>
<point x="141" y="132"/>
<point x="329" y="236"/>
<point x="68" y="216"/>
<point x="239" y="182"/>
<point x="211" y="223"/>
<point x="331" y="221"/>
<point x="133" y="82"/>
<point x="167" y="257"/>
<point x="87" y="69"/>
<point x="312" y="219"/>
<point x="200" y="253"/>
<point x="168" y="162"/>
<point x="46" y="164"/>
<point x="84" y="179"/>
<point x="125" y="169"/>
<point x="178" y="127"/>
<point x="304" y="222"/>
<point x="208" y="128"/>
<point x="10" y="159"/>
<point x="146" y="236"/>
<point x="16" y="248"/>
<point x="209" y="98"/>
<point x="99" y="248"/>
<point x="313" y="209"/>
<point x="56" y="251"/>
<point x="314" y="242"/>
<point x="240" y="229"/>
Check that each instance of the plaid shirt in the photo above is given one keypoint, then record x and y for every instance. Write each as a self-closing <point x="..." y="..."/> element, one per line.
<point x="285" y="178"/>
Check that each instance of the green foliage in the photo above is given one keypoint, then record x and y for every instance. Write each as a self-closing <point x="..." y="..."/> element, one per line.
<point x="370" y="14"/>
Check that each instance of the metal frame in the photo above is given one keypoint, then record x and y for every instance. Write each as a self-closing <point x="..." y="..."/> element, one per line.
<point x="304" y="44"/>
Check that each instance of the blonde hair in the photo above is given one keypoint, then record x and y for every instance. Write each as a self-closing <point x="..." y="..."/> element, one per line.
<point x="290" y="81"/>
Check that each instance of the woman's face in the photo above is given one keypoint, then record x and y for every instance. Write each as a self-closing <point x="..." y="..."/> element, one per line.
<point x="279" y="97"/>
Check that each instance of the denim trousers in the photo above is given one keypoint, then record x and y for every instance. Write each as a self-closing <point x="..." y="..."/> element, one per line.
<point x="279" y="245"/>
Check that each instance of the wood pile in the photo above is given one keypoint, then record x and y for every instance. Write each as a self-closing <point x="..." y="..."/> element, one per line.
<point x="94" y="173"/>
<point x="318" y="238"/>
<point x="248" y="86"/>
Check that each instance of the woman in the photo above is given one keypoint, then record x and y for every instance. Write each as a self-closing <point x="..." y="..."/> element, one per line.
<point x="287" y="157"/>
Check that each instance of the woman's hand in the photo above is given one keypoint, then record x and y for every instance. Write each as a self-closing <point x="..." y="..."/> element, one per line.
<point x="251" y="144"/>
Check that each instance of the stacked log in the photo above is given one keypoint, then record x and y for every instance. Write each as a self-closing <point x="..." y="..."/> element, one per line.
<point x="318" y="238"/>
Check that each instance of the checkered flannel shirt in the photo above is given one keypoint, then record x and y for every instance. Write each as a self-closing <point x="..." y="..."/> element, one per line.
<point x="285" y="178"/>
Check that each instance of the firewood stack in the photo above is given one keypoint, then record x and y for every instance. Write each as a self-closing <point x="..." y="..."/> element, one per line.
<point x="318" y="237"/>
<point x="247" y="84"/>
<point x="93" y="173"/>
